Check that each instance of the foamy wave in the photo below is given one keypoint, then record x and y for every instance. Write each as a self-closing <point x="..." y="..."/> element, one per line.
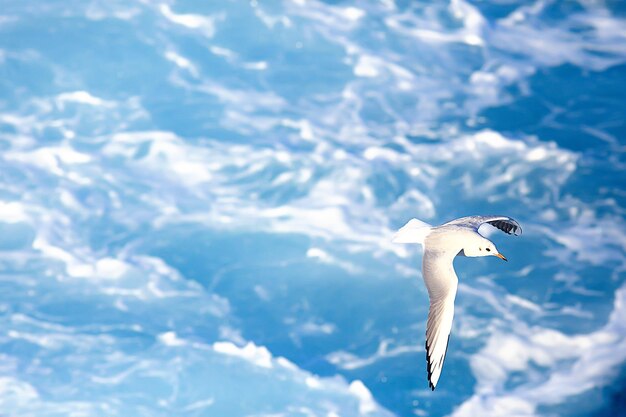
<point x="346" y="360"/>
<point x="599" y="46"/>
<point x="333" y="122"/>
<point x="569" y="365"/>
<point x="112" y="367"/>
<point x="327" y="194"/>
<point x="203" y="24"/>
<point x="332" y="206"/>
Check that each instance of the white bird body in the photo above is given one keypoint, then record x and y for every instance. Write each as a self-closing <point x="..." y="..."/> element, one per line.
<point x="441" y="245"/>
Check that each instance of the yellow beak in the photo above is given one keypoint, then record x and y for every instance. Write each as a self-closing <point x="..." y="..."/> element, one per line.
<point x="501" y="256"/>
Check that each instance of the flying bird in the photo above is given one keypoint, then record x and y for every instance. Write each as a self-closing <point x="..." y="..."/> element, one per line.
<point x="441" y="245"/>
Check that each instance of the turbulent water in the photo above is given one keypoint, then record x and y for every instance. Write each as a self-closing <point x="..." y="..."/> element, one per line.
<point x="197" y="200"/>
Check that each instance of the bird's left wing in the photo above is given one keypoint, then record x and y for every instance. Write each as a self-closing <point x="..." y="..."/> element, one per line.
<point x="441" y="282"/>
<point x="507" y="224"/>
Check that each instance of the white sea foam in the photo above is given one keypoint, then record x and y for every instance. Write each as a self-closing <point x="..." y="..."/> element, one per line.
<point x="332" y="206"/>
<point x="576" y="363"/>
<point x="377" y="150"/>
<point x="53" y="159"/>
<point x="312" y="328"/>
<point x="100" y="11"/>
<point x="182" y="62"/>
<point x="523" y="32"/>
<point x="258" y="355"/>
<point x="16" y="393"/>
<point x="431" y="30"/>
<point x="341" y="18"/>
<point x="349" y="361"/>
<point x="111" y="268"/>
<point x="171" y="339"/>
<point x="367" y="404"/>
<point x="115" y="369"/>
<point x="367" y="66"/>
<point x="13" y="212"/>
<point x="203" y="24"/>
<point x="325" y="257"/>
<point x="83" y="97"/>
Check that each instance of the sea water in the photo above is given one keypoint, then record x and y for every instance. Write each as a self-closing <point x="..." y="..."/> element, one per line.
<point x="197" y="200"/>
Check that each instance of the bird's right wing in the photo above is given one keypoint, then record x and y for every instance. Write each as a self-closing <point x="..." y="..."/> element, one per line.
<point x="441" y="282"/>
<point x="507" y="224"/>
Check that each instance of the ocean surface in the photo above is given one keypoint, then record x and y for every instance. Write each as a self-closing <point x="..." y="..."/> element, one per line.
<point x="197" y="200"/>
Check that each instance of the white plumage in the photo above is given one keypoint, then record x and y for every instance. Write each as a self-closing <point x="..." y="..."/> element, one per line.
<point x="441" y="245"/>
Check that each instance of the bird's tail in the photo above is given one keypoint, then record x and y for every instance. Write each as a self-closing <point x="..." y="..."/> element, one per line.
<point x="415" y="231"/>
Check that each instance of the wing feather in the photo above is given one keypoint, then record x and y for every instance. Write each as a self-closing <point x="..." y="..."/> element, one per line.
<point x="441" y="282"/>
<point x="507" y="224"/>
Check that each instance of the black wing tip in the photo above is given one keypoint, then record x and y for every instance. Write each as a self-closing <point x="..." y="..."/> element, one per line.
<point x="507" y="225"/>
<point x="429" y="363"/>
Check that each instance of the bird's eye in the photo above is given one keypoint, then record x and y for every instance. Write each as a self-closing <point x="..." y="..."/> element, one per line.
<point x="480" y="248"/>
<point x="488" y="250"/>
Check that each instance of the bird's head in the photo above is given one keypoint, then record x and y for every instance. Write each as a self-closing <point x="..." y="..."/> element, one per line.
<point x="480" y="246"/>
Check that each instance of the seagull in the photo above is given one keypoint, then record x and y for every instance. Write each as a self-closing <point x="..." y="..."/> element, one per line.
<point x="441" y="245"/>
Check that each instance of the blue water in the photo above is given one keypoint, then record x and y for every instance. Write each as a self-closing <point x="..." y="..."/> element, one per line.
<point x="197" y="200"/>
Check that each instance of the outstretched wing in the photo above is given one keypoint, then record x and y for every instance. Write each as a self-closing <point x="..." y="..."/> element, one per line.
<point x="441" y="282"/>
<point x="504" y="223"/>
